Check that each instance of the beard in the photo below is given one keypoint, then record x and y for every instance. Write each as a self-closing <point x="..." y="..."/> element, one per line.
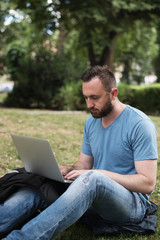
<point x="96" y="113"/>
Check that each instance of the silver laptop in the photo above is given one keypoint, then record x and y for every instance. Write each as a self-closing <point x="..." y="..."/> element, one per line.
<point x="37" y="157"/>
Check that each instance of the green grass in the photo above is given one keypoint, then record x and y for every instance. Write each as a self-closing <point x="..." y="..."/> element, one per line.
<point x="3" y="95"/>
<point x="65" y="133"/>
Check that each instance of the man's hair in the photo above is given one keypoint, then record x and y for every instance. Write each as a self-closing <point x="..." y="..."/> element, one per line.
<point x="105" y="75"/>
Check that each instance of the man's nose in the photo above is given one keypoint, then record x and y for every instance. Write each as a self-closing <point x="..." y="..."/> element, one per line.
<point x="90" y="103"/>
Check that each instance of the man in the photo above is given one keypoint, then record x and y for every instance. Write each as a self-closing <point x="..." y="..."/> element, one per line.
<point x="115" y="173"/>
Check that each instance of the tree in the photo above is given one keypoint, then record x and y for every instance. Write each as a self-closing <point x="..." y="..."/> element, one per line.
<point x="39" y="77"/>
<point x="135" y="51"/>
<point x="34" y="64"/>
<point x="157" y="58"/>
<point x="98" y="22"/>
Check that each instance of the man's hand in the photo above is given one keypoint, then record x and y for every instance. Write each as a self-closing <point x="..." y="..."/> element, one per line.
<point x="65" y="169"/>
<point x="74" y="173"/>
<point x="84" y="164"/>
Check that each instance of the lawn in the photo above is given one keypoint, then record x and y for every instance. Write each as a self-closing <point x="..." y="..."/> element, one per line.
<point x="64" y="131"/>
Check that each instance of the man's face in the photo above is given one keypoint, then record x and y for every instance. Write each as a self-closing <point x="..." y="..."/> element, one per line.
<point x="97" y="99"/>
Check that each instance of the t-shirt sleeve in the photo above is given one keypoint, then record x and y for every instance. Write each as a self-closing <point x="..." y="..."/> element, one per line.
<point x="144" y="141"/>
<point x="86" y="149"/>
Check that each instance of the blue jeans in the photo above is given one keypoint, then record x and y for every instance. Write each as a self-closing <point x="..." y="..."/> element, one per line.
<point x="18" y="208"/>
<point x="92" y="189"/>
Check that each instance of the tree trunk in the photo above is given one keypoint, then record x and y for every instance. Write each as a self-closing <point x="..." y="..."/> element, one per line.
<point x="157" y="60"/>
<point x="126" y="72"/>
<point x="107" y="56"/>
<point x="91" y="54"/>
<point x="62" y="37"/>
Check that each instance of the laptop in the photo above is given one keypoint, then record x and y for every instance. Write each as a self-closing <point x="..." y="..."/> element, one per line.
<point x="37" y="157"/>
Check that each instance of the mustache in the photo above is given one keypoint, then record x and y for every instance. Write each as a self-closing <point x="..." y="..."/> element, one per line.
<point x="92" y="108"/>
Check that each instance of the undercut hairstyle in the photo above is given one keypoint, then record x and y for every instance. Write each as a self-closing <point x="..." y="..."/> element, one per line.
<point x="105" y="75"/>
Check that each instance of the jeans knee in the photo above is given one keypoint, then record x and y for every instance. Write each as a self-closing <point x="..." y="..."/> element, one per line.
<point x="6" y="219"/>
<point x="91" y="176"/>
<point x="17" y="208"/>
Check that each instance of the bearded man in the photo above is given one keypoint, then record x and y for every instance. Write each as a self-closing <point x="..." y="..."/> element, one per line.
<point x="116" y="171"/>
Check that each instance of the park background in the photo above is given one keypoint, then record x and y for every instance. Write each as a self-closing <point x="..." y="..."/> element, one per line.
<point x="45" y="46"/>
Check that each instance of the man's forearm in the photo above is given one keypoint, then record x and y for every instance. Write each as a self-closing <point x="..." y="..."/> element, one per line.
<point x="132" y="182"/>
<point x="79" y="166"/>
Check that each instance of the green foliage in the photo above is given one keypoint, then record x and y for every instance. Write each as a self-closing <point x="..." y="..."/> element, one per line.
<point x="39" y="76"/>
<point x="135" y="50"/>
<point x="145" y="98"/>
<point x="88" y="30"/>
<point x="98" y="23"/>
<point x="157" y="58"/>
<point x="125" y="94"/>
<point x="36" y="81"/>
<point x="70" y="97"/>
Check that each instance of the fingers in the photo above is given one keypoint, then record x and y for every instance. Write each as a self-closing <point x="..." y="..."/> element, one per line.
<point x="74" y="174"/>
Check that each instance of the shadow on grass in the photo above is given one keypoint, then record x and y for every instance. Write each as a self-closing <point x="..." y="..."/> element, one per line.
<point x="81" y="232"/>
<point x="76" y="232"/>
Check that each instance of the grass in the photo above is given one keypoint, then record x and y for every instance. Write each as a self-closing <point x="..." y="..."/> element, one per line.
<point x="3" y="95"/>
<point x="65" y="133"/>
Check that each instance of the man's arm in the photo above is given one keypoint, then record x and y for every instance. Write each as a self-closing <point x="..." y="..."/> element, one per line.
<point x="144" y="181"/>
<point x="84" y="163"/>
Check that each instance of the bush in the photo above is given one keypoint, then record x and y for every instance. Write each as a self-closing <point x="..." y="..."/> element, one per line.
<point x="70" y="97"/>
<point x="125" y="94"/>
<point x="145" y="98"/>
<point x="39" y="77"/>
<point x="36" y="80"/>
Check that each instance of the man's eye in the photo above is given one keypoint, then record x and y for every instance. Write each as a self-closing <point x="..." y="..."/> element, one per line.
<point x="94" y="97"/>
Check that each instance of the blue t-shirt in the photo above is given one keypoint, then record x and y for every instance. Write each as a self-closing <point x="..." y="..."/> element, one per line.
<point x="131" y="137"/>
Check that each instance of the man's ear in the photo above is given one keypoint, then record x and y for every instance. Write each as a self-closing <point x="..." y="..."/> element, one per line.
<point x="114" y="93"/>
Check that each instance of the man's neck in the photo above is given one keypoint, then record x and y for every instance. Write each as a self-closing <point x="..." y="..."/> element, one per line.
<point x="117" y="109"/>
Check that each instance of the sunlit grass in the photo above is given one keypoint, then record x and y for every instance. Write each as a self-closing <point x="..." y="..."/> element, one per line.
<point x="65" y="133"/>
<point x="3" y="95"/>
